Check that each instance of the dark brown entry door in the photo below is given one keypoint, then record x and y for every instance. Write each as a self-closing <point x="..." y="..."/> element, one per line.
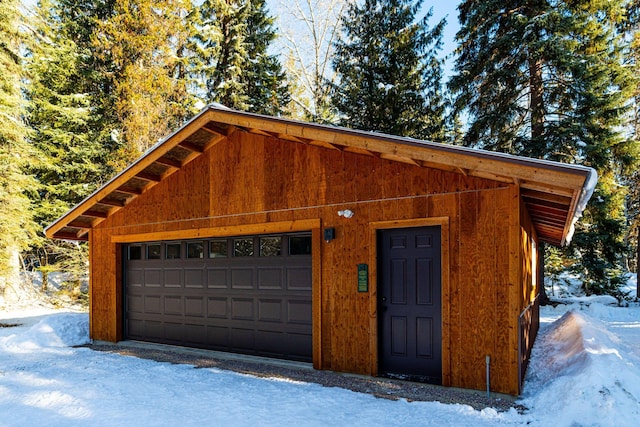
<point x="409" y="303"/>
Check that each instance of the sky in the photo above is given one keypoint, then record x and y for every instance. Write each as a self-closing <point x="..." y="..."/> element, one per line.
<point x="441" y="9"/>
<point x="584" y="371"/>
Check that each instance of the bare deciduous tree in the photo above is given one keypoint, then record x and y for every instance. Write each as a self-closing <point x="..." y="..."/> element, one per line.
<point x="309" y="29"/>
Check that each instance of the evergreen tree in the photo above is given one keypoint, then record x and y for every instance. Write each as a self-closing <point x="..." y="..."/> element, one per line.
<point x="389" y="75"/>
<point x="67" y="135"/>
<point x="631" y="29"/>
<point x="546" y="79"/>
<point x="15" y="218"/>
<point x="70" y="116"/>
<point x="141" y="40"/>
<point x="221" y="50"/>
<point x="231" y="44"/>
<point x="263" y="79"/>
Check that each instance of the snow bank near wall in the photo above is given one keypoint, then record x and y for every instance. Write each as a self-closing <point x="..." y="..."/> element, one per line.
<point x="55" y="331"/>
<point x="581" y="371"/>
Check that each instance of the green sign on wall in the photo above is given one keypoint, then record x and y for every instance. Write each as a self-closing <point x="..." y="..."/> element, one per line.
<point x="363" y="278"/>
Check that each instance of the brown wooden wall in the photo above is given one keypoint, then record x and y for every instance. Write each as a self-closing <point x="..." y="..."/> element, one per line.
<point x="254" y="180"/>
<point x="530" y="289"/>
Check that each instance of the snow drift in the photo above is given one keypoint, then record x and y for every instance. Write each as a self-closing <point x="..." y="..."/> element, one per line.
<point x="581" y="373"/>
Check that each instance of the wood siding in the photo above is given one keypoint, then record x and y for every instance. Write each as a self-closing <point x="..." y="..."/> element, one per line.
<point x="250" y="181"/>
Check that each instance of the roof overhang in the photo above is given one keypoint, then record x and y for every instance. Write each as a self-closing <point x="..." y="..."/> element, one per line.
<point x="555" y="194"/>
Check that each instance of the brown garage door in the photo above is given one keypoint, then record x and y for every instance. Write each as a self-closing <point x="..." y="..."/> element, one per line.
<point x="247" y="295"/>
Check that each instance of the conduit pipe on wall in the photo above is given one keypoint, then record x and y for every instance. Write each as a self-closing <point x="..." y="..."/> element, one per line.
<point x="488" y="363"/>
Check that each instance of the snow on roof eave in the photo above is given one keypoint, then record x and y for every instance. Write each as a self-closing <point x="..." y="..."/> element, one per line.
<point x="585" y="196"/>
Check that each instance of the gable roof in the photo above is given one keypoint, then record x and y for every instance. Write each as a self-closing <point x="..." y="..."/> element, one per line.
<point x="555" y="194"/>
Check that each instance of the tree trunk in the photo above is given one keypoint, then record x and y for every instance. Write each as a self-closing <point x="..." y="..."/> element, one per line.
<point x="536" y="87"/>
<point x="10" y="279"/>
<point x="544" y="298"/>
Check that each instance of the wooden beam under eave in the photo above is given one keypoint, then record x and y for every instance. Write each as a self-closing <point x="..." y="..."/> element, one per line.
<point x="291" y="138"/>
<point x="213" y="142"/>
<point x="440" y="166"/>
<point x="493" y="177"/>
<point x="130" y="190"/>
<point x="359" y="151"/>
<point x="169" y="162"/>
<point x="151" y="157"/>
<point x="79" y="224"/>
<point x="540" y="202"/>
<point x="191" y="147"/>
<point x="548" y="188"/>
<point x="543" y="210"/>
<point x="148" y="177"/>
<point x="401" y="159"/>
<point x="218" y="132"/>
<point x="548" y="227"/>
<point x="261" y="132"/>
<point x="557" y="219"/>
<point x="113" y="203"/>
<point x="95" y="214"/>
<point x="70" y="236"/>
<point x="547" y="197"/>
<point x="231" y="130"/>
<point x="323" y="144"/>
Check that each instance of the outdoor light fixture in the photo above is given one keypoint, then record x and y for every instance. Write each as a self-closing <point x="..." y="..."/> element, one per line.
<point x="329" y="234"/>
<point x="346" y="213"/>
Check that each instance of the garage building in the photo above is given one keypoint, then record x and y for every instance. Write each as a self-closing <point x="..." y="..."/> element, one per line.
<point x="355" y="251"/>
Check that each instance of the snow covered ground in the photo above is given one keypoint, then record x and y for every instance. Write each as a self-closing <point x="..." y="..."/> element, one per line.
<point x="585" y="371"/>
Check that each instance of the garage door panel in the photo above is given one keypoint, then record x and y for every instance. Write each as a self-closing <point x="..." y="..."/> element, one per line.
<point x="270" y="278"/>
<point x="242" y="278"/>
<point x="242" y="339"/>
<point x="299" y="278"/>
<point x="153" y="278"/>
<point x="299" y="312"/>
<point x="153" y="330"/>
<point x="194" y="334"/>
<point x="298" y="346"/>
<point x="153" y="304"/>
<point x="173" y="277"/>
<point x="194" y="278"/>
<point x="136" y="277"/>
<point x="270" y="342"/>
<point x="135" y="304"/>
<point x="217" y="308"/>
<point x="218" y="337"/>
<point x="254" y="302"/>
<point x="173" y="305"/>
<point x="194" y="307"/>
<point x="217" y="278"/>
<point x="173" y="332"/>
<point x="136" y="328"/>
<point x="270" y="310"/>
<point x="242" y="308"/>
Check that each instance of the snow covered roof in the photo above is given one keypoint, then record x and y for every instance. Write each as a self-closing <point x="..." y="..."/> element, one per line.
<point x="555" y="194"/>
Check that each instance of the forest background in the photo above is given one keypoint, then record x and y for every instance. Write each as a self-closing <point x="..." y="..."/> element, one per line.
<point x="86" y="86"/>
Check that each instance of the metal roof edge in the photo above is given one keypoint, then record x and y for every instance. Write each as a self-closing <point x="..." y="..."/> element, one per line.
<point x="585" y="195"/>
